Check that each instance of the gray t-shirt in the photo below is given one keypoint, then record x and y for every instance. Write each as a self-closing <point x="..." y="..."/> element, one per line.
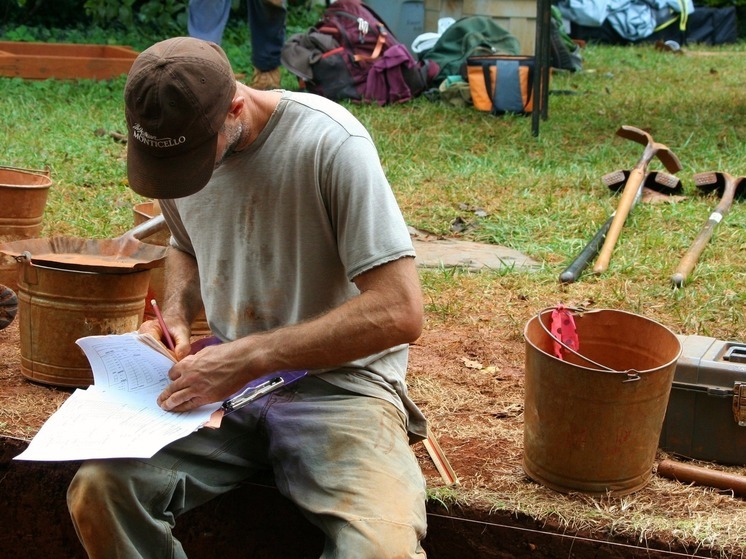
<point x="284" y="226"/>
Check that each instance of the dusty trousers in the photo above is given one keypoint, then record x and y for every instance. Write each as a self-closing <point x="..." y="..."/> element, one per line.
<point x="342" y="458"/>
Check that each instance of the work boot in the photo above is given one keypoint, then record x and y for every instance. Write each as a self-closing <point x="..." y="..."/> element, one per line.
<point x="265" y="80"/>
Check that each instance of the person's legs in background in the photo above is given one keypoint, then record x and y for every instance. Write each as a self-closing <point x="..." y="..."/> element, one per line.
<point x="267" y="27"/>
<point x="207" y="19"/>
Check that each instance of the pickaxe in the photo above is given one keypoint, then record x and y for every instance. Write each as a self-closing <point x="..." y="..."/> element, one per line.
<point x="634" y="184"/>
<point x="728" y="187"/>
<point x="616" y="181"/>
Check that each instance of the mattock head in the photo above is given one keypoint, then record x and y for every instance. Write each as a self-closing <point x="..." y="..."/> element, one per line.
<point x="711" y="181"/>
<point x="655" y="180"/>
<point x="635" y="134"/>
<point x="616" y="180"/>
<point x="663" y="183"/>
<point x="667" y="157"/>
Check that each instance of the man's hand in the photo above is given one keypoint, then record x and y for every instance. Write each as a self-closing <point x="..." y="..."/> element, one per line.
<point x="181" y="336"/>
<point x="212" y="375"/>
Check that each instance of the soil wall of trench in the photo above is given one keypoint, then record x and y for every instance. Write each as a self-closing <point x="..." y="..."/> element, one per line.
<point x="256" y="521"/>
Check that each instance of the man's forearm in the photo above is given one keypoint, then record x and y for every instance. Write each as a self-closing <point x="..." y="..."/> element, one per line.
<point x="388" y="312"/>
<point x="182" y="290"/>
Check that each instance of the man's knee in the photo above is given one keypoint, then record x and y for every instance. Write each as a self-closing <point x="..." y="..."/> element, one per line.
<point x="373" y="539"/>
<point x="87" y="499"/>
<point x="89" y="489"/>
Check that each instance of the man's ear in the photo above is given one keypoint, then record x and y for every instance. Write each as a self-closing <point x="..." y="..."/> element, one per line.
<point x="237" y="105"/>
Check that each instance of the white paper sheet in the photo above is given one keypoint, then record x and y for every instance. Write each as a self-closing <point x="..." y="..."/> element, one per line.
<point x="118" y="416"/>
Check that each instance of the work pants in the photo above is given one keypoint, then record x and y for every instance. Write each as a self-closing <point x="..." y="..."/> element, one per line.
<point x="342" y="458"/>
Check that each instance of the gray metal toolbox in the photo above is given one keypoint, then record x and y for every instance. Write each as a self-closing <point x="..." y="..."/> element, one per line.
<point x="706" y="415"/>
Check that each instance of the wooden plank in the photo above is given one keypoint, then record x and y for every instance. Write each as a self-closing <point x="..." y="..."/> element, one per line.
<point x="525" y="31"/>
<point x="64" y="61"/>
<point x="67" y="50"/>
<point x="440" y="460"/>
<point x="517" y="16"/>
<point x="504" y="8"/>
<point x="524" y="9"/>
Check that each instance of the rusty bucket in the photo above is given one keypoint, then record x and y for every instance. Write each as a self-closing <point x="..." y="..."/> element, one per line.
<point x="71" y="287"/>
<point x="58" y="306"/>
<point x="143" y="212"/>
<point x="593" y="418"/>
<point x="23" y="198"/>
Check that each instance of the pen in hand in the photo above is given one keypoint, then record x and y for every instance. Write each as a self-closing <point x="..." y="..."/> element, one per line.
<point x="166" y="333"/>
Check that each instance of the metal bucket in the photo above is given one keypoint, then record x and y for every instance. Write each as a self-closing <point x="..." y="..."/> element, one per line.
<point x="23" y="198"/>
<point x="592" y="420"/>
<point x="144" y="212"/>
<point x="58" y="306"/>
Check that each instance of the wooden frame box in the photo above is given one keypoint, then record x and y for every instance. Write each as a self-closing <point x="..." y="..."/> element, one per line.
<point x="64" y="61"/>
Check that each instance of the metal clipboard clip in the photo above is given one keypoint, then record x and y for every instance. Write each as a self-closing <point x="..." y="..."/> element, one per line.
<point x="261" y="387"/>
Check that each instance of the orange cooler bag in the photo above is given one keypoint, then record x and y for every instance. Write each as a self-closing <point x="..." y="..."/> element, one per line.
<point x="501" y="83"/>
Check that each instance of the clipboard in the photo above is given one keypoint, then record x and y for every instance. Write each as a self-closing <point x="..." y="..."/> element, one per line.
<point x="256" y="388"/>
<point x="261" y="387"/>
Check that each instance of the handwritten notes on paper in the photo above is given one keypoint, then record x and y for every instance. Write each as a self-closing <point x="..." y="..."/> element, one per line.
<point x="117" y="417"/>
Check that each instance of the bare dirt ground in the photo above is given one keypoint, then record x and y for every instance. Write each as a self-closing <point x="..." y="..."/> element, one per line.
<point x="468" y="379"/>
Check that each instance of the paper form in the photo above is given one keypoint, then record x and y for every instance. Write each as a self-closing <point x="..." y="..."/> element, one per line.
<point x="116" y="417"/>
<point x="126" y="363"/>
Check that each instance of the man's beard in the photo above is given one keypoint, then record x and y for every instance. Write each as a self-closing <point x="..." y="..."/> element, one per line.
<point x="234" y="137"/>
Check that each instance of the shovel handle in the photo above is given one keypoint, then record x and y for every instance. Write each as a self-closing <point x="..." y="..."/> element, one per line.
<point x="634" y="183"/>
<point x="690" y="258"/>
<point x="576" y="267"/>
<point x="147" y="228"/>
<point x="688" y="473"/>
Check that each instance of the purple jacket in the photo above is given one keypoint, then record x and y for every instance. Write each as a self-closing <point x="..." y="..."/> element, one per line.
<point x="385" y="83"/>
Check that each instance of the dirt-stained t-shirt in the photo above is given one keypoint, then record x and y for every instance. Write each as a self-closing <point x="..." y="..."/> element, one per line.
<point x="284" y="226"/>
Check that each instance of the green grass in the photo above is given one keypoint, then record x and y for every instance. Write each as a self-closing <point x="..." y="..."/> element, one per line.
<point x="540" y="195"/>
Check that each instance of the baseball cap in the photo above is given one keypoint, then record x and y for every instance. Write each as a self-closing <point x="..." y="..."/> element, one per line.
<point x="177" y="96"/>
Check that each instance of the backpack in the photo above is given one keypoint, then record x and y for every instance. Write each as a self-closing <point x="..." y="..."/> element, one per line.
<point x="351" y="54"/>
<point x="469" y="36"/>
<point x="565" y="53"/>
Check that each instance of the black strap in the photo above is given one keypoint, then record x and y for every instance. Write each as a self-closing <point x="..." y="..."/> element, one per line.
<point x="488" y="80"/>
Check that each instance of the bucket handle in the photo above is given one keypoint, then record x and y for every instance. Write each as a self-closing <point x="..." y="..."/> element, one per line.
<point x="632" y="374"/>
<point x="30" y="275"/>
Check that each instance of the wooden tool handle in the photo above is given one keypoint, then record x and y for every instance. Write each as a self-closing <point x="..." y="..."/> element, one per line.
<point x="689" y="260"/>
<point x="634" y="182"/>
<point x="152" y="226"/>
<point x="688" y="473"/>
